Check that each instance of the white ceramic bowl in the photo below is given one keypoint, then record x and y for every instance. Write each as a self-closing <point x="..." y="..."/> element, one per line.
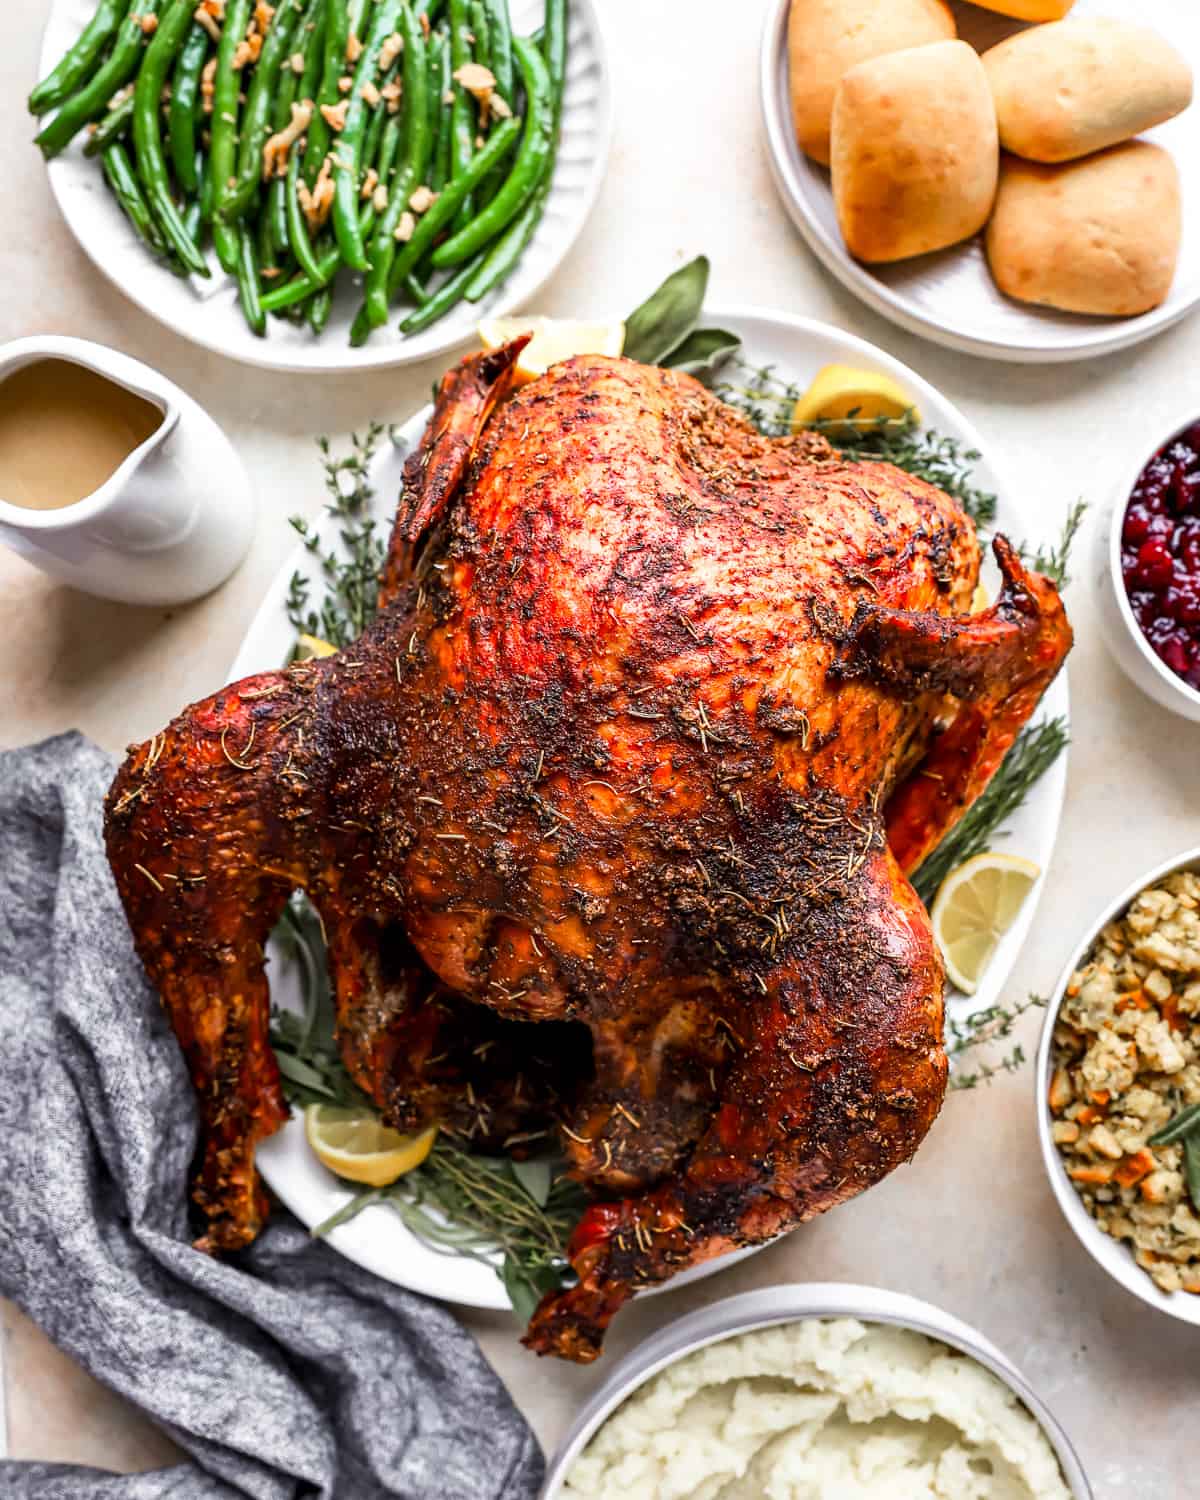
<point x="790" y="1304"/>
<point x="1111" y="1255"/>
<point x="1121" y="631"/>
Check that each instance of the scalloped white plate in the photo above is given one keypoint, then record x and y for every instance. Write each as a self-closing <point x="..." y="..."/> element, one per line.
<point x="207" y="311"/>
<point x="798" y="347"/>
<point x="950" y="296"/>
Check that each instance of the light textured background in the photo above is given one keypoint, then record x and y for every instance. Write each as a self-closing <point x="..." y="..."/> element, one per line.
<point x="971" y="1225"/>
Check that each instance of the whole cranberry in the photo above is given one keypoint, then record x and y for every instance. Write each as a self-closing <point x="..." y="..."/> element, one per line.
<point x="1137" y="526"/>
<point x="1175" y="654"/>
<point x="1155" y="565"/>
<point x="1187" y="548"/>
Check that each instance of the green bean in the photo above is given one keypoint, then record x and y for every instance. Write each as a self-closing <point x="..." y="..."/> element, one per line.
<point x="256" y="116"/>
<point x="435" y="219"/>
<point x="147" y="137"/>
<point x="415" y="130"/>
<point x="314" y="50"/>
<point x="114" y="127"/>
<point x="89" y="101"/>
<point x="337" y="30"/>
<point x="433" y="10"/>
<point x="181" y="115"/>
<point x="419" y="293"/>
<point x="441" y="154"/>
<point x="60" y="84"/>
<point x="300" y="288"/>
<point x="348" y="158"/>
<point x="481" y="30"/>
<point x="500" y="61"/>
<point x="222" y="150"/>
<point x="206" y="190"/>
<point x="247" y="280"/>
<point x="122" y="179"/>
<point x="508" y="249"/>
<point x="389" y="146"/>
<point x="319" y="309"/>
<point x="126" y="189"/>
<point x="441" y="302"/>
<point x="532" y="160"/>
<point x="193" y="220"/>
<point x="462" y="111"/>
<point x="297" y="226"/>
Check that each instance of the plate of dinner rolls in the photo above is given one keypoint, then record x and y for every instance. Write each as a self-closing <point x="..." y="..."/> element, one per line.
<point x="1014" y="178"/>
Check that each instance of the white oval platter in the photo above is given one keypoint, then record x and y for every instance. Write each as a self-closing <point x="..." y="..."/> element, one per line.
<point x="208" y="312"/>
<point x="950" y="296"/>
<point x="797" y="348"/>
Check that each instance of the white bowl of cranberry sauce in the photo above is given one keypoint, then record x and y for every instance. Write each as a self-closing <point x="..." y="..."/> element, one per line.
<point x="1150" y="572"/>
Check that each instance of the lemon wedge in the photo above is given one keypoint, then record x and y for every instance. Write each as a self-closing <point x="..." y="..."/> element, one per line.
<point x="357" y="1146"/>
<point x="973" y="909"/>
<point x="310" y="647"/>
<point x="840" y="390"/>
<point x="980" y="600"/>
<point x="554" y="339"/>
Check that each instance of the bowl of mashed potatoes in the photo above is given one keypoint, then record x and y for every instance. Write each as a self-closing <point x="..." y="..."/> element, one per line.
<point x="811" y="1392"/>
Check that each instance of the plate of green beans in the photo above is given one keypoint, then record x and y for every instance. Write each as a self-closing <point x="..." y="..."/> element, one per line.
<point x="324" y="184"/>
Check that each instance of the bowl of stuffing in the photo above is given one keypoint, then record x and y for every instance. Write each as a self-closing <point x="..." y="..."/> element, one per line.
<point x="1119" y="1089"/>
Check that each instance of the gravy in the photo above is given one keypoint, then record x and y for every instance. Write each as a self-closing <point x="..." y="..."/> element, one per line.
<point x="64" y="431"/>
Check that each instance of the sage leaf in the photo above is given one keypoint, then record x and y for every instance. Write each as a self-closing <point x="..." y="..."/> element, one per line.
<point x="668" y="315"/>
<point x="534" y="1176"/>
<point x="702" y="352"/>
<point x="299" y="1072"/>
<point x="1184" y="1123"/>
<point x="521" y="1294"/>
<point x="1191" y="1166"/>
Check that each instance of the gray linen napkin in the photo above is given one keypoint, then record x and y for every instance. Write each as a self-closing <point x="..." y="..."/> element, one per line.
<point x="285" y="1371"/>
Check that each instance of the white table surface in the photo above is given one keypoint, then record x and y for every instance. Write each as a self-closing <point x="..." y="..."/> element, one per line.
<point x="971" y="1224"/>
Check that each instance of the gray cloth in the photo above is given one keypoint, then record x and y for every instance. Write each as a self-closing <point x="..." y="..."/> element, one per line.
<point x="285" y="1371"/>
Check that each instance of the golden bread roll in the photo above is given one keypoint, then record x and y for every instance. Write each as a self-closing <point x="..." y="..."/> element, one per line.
<point x="826" y="37"/>
<point x="914" y="151"/>
<point x="1029" y="10"/>
<point x="1066" y="90"/>
<point x="1099" y="235"/>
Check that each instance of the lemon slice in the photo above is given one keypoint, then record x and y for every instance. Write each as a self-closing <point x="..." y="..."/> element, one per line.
<point x="980" y="600"/>
<point x="357" y="1146"/>
<point x="310" y="647"/>
<point x="838" y="391"/>
<point x="554" y="339"/>
<point x="974" y="908"/>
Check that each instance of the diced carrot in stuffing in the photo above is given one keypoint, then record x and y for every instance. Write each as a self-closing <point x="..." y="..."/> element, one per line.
<point x="1102" y="1097"/>
<point x="1171" y="1015"/>
<point x="1090" y="1115"/>
<point x="1134" y="1168"/>
<point x="1095" y="1176"/>
<point x="1135" y="1000"/>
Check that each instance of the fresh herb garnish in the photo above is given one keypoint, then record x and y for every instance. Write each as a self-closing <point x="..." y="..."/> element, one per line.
<point x="982" y="1028"/>
<point x="349" y="578"/>
<point x="514" y="1215"/>
<point x="1054" y="561"/>
<point x="662" y="331"/>
<point x="1184" y="1130"/>
<point x="1033" y="752"/>
<point x="768" y="401"/>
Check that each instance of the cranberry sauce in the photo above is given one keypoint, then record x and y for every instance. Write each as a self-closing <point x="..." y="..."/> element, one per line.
<point x="1160" y="553"/>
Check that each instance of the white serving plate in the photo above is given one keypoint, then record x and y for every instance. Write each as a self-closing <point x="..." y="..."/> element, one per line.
<point x="950" y="296"/>
<point x="772" y="1305"/>
<point x="208" y="312"/>
<point x="1113" y="1256"/>
<point x="798" y="347"/>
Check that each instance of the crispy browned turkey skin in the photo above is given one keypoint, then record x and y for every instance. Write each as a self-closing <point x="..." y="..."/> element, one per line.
<point x="656" y="718"/>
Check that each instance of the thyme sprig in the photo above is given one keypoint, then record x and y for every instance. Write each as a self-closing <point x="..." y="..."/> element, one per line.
<point x="994" y="1023"/>
<point x="1054" y="561"/>
<point x="768" y="400"/>
<point x="349" y="577"/>
<point x="515" y="1216"/>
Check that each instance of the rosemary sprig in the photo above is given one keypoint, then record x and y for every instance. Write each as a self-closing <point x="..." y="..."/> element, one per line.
<point x="514" y="1216"/>
<point x="1033" y="752"/>
<point x="349" y="578"/>
<point x="768" y="401"/>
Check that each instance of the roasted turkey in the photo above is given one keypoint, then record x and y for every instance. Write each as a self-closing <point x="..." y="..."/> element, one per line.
<point x="609" y="817"/>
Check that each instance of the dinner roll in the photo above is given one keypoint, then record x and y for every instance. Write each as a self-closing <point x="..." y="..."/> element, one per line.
<point x="1098" y="235"/>
<point x="1063" y="91"/>
<point x="1029" y="10"/>
<point x="825" y="37"/>
<point x="914" y="151"/>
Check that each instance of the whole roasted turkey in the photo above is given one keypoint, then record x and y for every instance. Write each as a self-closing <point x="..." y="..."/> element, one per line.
<point x="608" y="817"/>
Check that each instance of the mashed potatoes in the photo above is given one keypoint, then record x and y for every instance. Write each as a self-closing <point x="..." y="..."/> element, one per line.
<point x="821" y="1410"/>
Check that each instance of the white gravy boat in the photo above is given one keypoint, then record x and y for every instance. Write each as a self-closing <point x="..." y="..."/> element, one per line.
<point x="173" y="520"/>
